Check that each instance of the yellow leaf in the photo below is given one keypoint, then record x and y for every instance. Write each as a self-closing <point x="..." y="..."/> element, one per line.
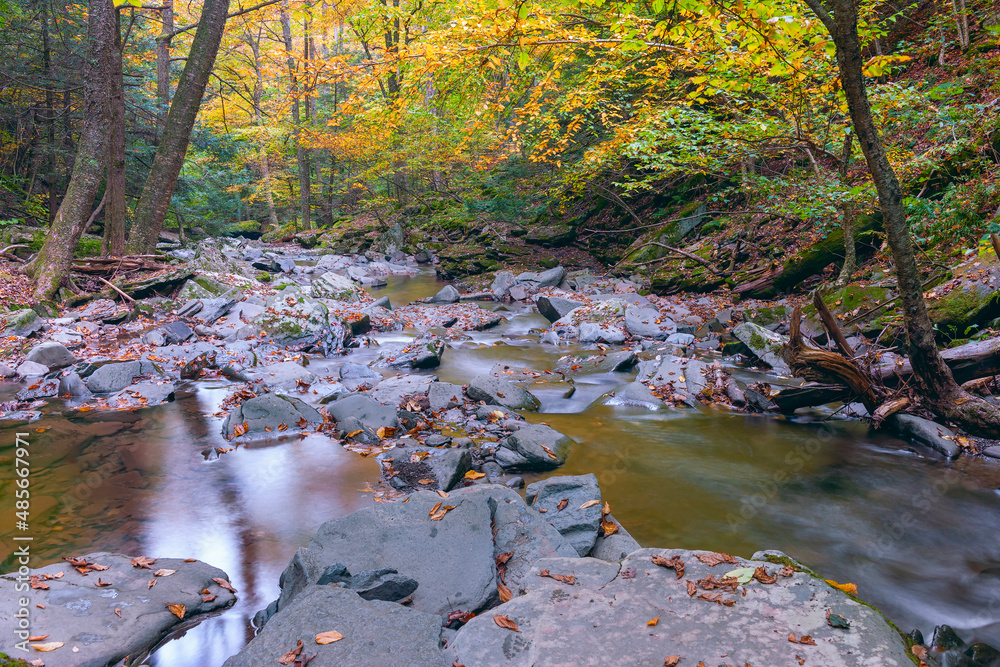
<point x="653" y="621"/>
<point x="472" y="474"/>
<point x="47" y="646"/>
<point x="176" y="609"/>
<point x="590" y="503"/>
<point x="328" y="637"/>
<point x="847" y="588"/>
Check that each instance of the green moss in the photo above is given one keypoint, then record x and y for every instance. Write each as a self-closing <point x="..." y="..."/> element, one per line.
<point x="7" y="661"/>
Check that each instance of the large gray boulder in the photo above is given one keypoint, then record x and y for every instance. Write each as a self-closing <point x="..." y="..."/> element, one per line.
<point x="285" y="375"/>
<point x="555" y="307"/>
<point x="100" y="625"/>
<point x="535" y="447"/>
<point x="497" y="391"/>
<point x="143" y="394"/>
<point x="116" y="376"/>
<point x="334" y="286"/>
<point x="270" y="415"/>
<point x="552" y="277"/>
<point x="375" y="633"/>
<point x="764" y="343"/>
<point x="391" y="391"/>
<point x="422" y="354"/>
<point x="602" y="618"/>
<point x="445" y="395"/>
<point x="363" y="411"/>
<point x="448" y="294"/>
<point x="686" y="376"/>
<point x="579" y="518"/>
<point x="298" y="322"/>
<point x="21" y="323"/>
<point x="437" y="468"/>
<point x="648" y="323"/>
<point x="450" y="557"/>
<point x="51" y="354"/>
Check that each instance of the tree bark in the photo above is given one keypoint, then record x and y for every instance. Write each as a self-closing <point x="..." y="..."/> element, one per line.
<point x="938" y="387"/>
<point x="52" y="264"/>
<point x="301" y="153"/>
<point x="114" y="212"/>
<point x="52" y="178"/>
<point x="847" y="217"/>
<point x="159" y="188"/>
<point x="265" y="168"/>
<point x="163" y="62"/>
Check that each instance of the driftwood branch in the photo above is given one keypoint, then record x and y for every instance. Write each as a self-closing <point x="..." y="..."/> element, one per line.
<point x="112" y="286"/>
<point x="831" y="327"/>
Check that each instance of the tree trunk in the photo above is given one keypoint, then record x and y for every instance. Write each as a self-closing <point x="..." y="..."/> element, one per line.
<point x="940" y="391"/>
<point x="52" y="178"/>
<point x="847" y="219"/>
<point x="301" y="154"/>
<point x="52" y="264"/>
<point x="961" y="22"/>
<point x="159" y="188"/>
<point x="163" y="62"/>
<point x="114" y="211"/>
<point x="265" y="167"/>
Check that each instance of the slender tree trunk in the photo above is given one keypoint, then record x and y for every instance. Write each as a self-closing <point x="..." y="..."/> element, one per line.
<point x="163" y="62"/>
<point x="159" y="188"/>
<point x="114" y="212"/>
<point x="961" y="22"/>
<point x="52" y="264"/>
<point x="52" y="178"/>
<point x="301" y="154"/>
<point x="940" y="391"/>
<point x="847" y="219"/>
<point x="265" y="167"/>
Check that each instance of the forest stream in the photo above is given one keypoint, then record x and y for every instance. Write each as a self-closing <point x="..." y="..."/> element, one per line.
<point x="910" y="529"/>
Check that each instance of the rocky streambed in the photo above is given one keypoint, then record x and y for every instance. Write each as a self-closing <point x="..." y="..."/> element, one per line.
<point x="229" y="418"/>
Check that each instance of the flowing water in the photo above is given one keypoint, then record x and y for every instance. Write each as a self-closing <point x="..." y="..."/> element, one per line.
<point x="916" y="534"/>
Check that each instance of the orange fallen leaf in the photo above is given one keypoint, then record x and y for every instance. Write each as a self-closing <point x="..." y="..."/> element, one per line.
<point x="714" y="559"/>
<point x="101" y="583"/>
<point x="672" y="661"/>
<point x="152" y="582"/>
<point x="608" y="527"/>
<point x="37" y="638"/>
<point x="562" y="504"/>
<point x="225" y="584"/>
<point x="653" y="621"/>
<point x="473" y="474"/>
<point x="504" y="592"/>
<point x="291" y="655"/>
<point x="328" y="637"/>
<point x="847" y="588"/>
<point x="442" y="493"/>
<point x="504" y="622"/>
<point x="143" y="561"/>
<point x="47" y="646"/>
<point x="163" y="572"/>
<point x="176" y="609"/>
<point x="434" y="509"/>
<point x="118" y="612"/>
<point x="590" y="503"/>
<point x="675" y="563"/>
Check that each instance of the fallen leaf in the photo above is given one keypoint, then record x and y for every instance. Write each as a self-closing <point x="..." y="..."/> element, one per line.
<point x="101" y="583"/>
<point x="152" y="582"/>
<point x="606" y="510"/>
<point x="434" y="509"/>
<point x="562" y="504"/>
<point x="504" y="557"/>
<point x="653" y="621"/>
<point x="118" y="612"/>
<point x="99" y="568"/>
<point x="919" y="651"/>
<point x="225" y="584"/>
<point x="47" y="646"/>
<point x="761" y="575"/>
<point x="713" y="559"/>
<point x="440" y="514"/>
<point x="473" y="474"/>
<point x="208" y="598"/>
<point x="349" y="435"/>
<point x="504" y="592"/>
<point x="328" y="637"/>
<point x="163" y="573"/>
<point x="37" y="638"/>
<point x="505" y="622"/>
<point x="590" y="503"/>
<point x="143" y="561"/>
<point x="37" y="584"/>
<point x="692" y="588"/>
<point x="176" y="609"/>
<point x="426" y="481"/>
<point x="742" y="575"/>
<point x="460" y="616"/>
<point x="675" y="563"/>
<point x="442" y="493"/>
<point x="564" y="578"/>
<point x="837" y="621"/>
<point x="847" y="588"/>
<point x="806" y="639"/>
<point x="717" y="598"/>
<point x="608" y="527"/>
<point x="671" y="661"/>
<point x="290" y="656"/>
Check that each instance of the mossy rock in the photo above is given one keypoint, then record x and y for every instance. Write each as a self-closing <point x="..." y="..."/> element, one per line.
<point x="553" y="235"/>
<point x="970" y="299"/>
<point x="7" y="661"/>
<point x="812" y="260"/>
<point x="853" y="301"/>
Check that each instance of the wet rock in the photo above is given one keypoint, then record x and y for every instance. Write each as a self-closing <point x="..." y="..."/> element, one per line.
<point x="448" y="294"/>
<point x="445" y="395"/>
<point x="555" y="307"/>
<point x="591" y="332"/>
<point x="558" y="620"/>
<point x="43" y="388"/>
<point x="50" y="354"/>
<point x="578" y="524"/>
<point x="375" y="633"/>
<point x="635" y="393"/>
<point x="412" y="464"/>
<point x="451" y="558"/>
<point x="334" y="286"/>
<point x="286" y="265"/>
<point x="763" y="343"/>
<point x="615" y="547"/>
<point x="551" y="338"/>
<point x="680" y="339"/>
<point x="285" y="375"/>
<point x="76" y="611"/>
<point x="421" y="354"/>
<point x="19" y="417"/>
<point x="502" y="282"/>
<point x="686" y="376"/>
<point x="143" y="394"/>
<point x="106" y="311"/>
<point x="648" y="323"/>
<point x="74" y="385"/>
<point x="925" y="432"/>
<point x="176" y="332"/>
<point x="367" y="411"/>
<point x="27" y="369"/>
<point x="497" y="391"/>
<point x="525" y="534"/>
<point x="207" y="310"/>
<point x="391" y="390"/>
<point x="269" y="415"/>
<point x="116" y="376"/>
<point x="193" y="369"/>
<point x="537" y="447"/>
<point x="6" y="371"/>
<point x="21" y="323"/>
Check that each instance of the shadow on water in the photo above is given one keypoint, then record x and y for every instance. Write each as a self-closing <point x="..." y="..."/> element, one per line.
<point x="916" y="534"/>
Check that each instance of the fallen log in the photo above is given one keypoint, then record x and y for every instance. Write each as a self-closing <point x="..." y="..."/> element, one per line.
<point x="888" y="409"/>
<point x="759" y="283"/>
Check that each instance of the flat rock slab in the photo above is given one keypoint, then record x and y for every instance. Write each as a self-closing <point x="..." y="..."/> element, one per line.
<point x="270" y="415"/>
<point x="83" y="615"/>
<point x="114" y="377"/>
<point x="451" y="558"/>
<point x="602" y="619"/>
<point x="374" y="633"/>
<point x="51" y="354"/>
<point x="286" y="375"/>
<point x="572" y="504"/>
<point x="391" y="390"/>
<point x="764" y="343"/>
<point x="436" y="468"/>
<point x="498" y="391"/>
<point x="535" y="447"/>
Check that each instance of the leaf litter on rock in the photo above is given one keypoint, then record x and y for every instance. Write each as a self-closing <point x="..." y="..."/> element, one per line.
<point x="504" y="622"/>
<point x="675" y="563"/>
